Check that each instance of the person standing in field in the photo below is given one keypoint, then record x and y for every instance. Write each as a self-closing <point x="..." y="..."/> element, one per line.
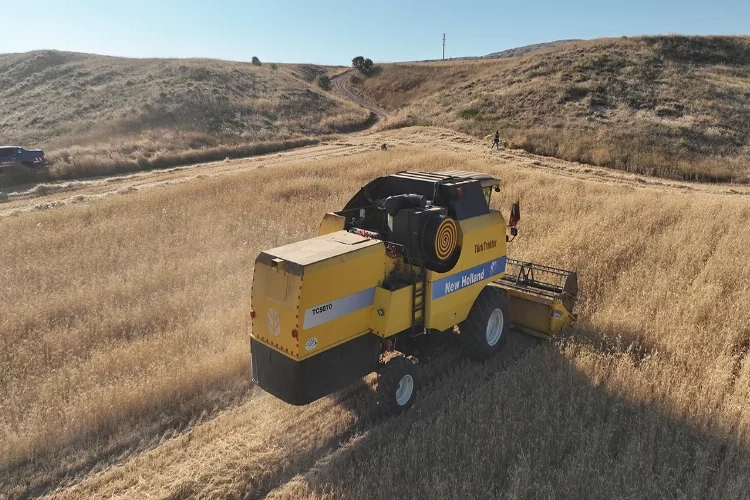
<point x="496" y="142"/>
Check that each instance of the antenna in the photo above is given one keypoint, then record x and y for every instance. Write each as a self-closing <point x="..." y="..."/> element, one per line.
<point x="443" y="46"/>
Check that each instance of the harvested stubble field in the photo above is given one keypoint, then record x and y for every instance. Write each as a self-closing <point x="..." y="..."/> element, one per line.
<point x="124" y="347"/>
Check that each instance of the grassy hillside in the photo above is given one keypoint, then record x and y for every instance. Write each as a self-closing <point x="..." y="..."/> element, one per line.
<point x="133" y="351"/>
<point x="676" y="107"/>
<point x="526" y="49"/>
<point x="98" y="114"/>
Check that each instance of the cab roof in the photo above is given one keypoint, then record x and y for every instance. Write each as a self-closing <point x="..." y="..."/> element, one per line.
<point x="448" y="175"/>
<point x="461" y="192"/>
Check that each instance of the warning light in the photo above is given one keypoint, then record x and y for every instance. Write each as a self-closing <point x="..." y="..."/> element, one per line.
<point x="294" y="333"/>
<point x="252" y="314"/>
<point x="460" y="192"/>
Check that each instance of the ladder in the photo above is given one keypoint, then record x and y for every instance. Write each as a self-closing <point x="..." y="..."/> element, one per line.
<point x="418" y="300"/>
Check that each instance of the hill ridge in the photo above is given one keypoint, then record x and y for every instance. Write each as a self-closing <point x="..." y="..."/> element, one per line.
<point x="670" y="106"/>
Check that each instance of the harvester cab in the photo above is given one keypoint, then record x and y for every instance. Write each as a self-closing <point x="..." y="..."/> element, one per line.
<point x="410" y="255"/>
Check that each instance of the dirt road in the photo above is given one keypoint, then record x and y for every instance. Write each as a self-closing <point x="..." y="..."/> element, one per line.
<point x="57" y="194"/>
<point x="342" y="85"/>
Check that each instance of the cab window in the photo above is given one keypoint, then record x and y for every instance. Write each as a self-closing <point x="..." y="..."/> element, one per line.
<point x="487" y="194"/>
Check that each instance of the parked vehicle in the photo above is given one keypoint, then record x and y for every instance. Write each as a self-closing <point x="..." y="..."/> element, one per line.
<point x="16" y="157"/>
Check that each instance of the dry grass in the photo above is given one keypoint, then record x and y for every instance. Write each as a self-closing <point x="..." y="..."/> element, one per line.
<point x="125" y="320"/>
<point x="674" y="107"/>
<point x="80" y="163"/>
<point x="95" y="115"/>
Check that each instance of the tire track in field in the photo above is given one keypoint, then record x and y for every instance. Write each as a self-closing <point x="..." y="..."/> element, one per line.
<point x="450" y="367"/>
<point x="449" y="364"/>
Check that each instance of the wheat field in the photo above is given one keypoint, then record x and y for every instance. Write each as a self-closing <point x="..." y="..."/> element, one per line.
<point x="124" y="362"/>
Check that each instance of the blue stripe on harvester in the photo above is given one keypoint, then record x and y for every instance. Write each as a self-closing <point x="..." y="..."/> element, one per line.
<point x="456" y="282"/>
<point x="328" y="311"/>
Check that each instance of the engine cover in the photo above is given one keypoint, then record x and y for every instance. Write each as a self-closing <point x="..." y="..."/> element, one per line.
<point x="428" y="234"/>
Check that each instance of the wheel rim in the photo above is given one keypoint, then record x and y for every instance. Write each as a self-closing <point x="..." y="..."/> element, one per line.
<point x="494" y="327"/>
<point x="404" y="390"/>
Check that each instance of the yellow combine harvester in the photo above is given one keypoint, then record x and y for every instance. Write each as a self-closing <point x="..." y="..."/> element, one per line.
<point x="410" y="255"/>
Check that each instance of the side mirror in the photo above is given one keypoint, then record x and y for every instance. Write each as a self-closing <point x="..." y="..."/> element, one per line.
<point x="515" y="214"/>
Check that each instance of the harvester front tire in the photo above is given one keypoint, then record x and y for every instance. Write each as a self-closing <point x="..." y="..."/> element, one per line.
<point x="485" y="330"/>
<point x="397" y="385"/>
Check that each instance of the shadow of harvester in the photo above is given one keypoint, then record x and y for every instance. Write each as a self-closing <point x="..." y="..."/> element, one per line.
<point x="539" y="421"/>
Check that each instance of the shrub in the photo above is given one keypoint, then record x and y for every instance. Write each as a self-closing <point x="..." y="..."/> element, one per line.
<point x="361" y="64"/>
<point x="574" y="93"/>
<point x="469" y="113"/>
<point x="273" y="66"/>
<point x="324" y="82"/>
<point x="256" y="61"/>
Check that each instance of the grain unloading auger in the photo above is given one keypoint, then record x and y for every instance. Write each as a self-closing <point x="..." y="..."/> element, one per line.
<point x="412" y="254"/>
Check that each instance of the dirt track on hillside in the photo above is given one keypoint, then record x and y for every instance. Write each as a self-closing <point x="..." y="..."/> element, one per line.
<point x="342" y="85"/>
<point x="57" y="194"/>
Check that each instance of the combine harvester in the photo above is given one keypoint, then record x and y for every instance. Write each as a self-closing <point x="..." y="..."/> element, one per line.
<point x="411" y="255"/>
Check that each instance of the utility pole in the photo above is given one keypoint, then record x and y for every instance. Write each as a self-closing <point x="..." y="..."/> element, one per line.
<point x="443" y="46"/>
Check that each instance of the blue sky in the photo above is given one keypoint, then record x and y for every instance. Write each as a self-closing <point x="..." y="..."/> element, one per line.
<point x="332" y="32"/>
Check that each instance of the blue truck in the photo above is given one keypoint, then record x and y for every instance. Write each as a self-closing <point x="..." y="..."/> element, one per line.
<point x="16" y="157"/>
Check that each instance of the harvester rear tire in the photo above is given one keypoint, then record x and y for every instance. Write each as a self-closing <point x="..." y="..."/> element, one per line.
<point x="485" y="330"/>
<point x="397" y="385"/>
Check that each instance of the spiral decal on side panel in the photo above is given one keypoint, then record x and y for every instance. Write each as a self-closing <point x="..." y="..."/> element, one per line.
<point x="441" y="239"/>
<point x="446" y="239"/>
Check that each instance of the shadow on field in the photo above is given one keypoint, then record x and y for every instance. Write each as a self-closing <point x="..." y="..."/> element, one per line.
<point x="100" y="448"/>
<point x="14" y="178"/>
<point x="537" y="421"/>
<point x="436" y="376"/>
<point x="359" y="399"/>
